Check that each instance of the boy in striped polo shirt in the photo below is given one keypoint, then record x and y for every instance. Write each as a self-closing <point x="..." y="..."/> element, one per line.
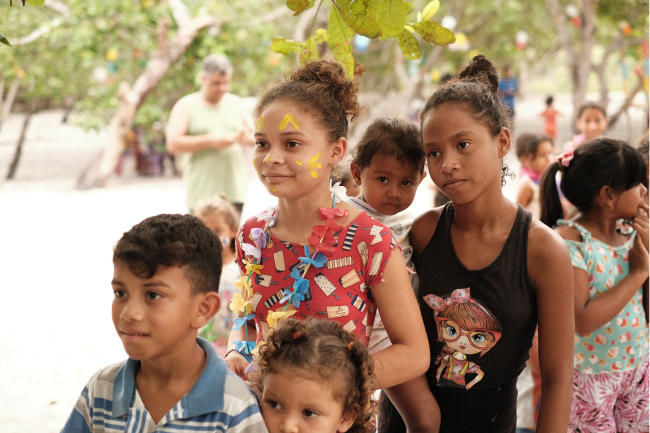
<point x="166" y="282"/>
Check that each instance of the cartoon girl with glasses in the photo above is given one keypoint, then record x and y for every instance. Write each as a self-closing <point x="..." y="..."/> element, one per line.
<point x="466" y="327"/>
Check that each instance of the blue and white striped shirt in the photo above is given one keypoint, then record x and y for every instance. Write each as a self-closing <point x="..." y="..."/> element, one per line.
<point x="219" y="401"/>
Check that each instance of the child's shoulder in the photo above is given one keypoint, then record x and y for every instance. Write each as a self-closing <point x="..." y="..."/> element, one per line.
<point x="569" y="230"/>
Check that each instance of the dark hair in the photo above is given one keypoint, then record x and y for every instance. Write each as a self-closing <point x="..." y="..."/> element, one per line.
<point x="323" y="89"/>
<point x="322" y="348"/>
<point x="549" y="100"/>
<point x="596" y="163"/>
<point x="642" y="147"/>
<point x="173" y="240"/>
<point x="392" y="137"/>
<point x="476" y="88"/>
<point x="589" y="105"/>
<point x="528" y="142"/>
<point x="220" y="205"/>
<point x="340" y="173"/>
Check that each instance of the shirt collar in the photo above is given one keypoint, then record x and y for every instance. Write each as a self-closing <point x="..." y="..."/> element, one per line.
<point x="206" y="396"/>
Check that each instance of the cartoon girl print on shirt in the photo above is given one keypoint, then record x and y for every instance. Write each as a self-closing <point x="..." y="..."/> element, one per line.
<point x="466" y="327"/>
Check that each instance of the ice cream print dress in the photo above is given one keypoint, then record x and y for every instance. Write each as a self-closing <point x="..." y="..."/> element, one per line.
<point x="334" y="284"/>
<point x="622" y="343"/>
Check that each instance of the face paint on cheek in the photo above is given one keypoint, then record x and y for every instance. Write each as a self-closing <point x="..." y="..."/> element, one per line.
<point x="289" y="118"/>
<point x="299" y="162"/>
<point x="274" y="189"/>
<point x="313" y="165"/>
<point x="254" y="163"/>
<point x="259" y="123"/>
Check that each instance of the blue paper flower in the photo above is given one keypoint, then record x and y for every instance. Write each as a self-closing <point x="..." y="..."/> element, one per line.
<point x="244" y="347"/>
<point x="240" y="321"/>
<point x="319" y="261"/>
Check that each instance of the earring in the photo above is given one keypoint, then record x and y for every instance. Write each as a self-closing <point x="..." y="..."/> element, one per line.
<point x="611" y="208"/>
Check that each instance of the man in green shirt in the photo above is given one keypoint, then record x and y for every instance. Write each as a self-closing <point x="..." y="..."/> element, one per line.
<point x="207" y="130"/>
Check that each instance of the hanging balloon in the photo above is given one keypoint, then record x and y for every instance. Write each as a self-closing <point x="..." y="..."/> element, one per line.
<point x="626" y="28"/>
<point x="576" y="21"/>
<point x="521" y="39"/>
<point x="361" y="43"/>
<point x="572" y="11"/>
<point x="112" y="55"/>
<point x="449" y="22"/>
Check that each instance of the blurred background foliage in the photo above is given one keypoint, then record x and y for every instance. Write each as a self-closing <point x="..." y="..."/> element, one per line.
<point x="88" y="47"/>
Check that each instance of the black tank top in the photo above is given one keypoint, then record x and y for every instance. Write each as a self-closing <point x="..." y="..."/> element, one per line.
<point x="480" y="325"/>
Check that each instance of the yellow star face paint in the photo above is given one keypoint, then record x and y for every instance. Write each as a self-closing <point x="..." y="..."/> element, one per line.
<point x="274" y="189"/>
<point x="289" y="119"/>
<point x="313" y="165"/>
<point x="259" y="124"/>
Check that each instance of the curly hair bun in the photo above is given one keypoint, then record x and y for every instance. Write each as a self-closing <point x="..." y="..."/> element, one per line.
<point x="330" y="77"/>
<point x="481" y="70"/>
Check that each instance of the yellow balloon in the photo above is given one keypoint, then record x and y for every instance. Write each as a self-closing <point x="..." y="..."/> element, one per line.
<point x="435" y="76"/>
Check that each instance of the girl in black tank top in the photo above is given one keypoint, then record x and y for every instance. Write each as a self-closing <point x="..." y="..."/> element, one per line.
<point x="488" y="274"/>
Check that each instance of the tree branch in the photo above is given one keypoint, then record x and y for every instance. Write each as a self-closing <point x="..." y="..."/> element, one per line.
<point x="179" y="12"/>
<point x="627" y="102"/>
<point x="271" y="16"/>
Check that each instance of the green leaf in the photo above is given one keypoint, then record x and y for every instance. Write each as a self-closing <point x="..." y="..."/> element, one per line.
<point x="309" y="52"/>
<point x="430" y="10"/>
<point x="286" y="46"/>
<point x="36" y="3"/>
<point x="409" y="45"/>
<point x="299" y="6"/>
<point x="338" y="40"/>
<point x="409" y="7"/>
<point x="359" y="15"/>
<point x="391" y="17"/>
<point x="4" y="40"/>
<point x="434" y="33"/>
<point x="320" y="36"/>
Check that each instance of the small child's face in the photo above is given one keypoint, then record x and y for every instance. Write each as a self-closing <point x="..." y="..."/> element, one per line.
<point x="542" y="158"/>
<point x="387" y="185"/>
<point x="592" y="123"/>
<point x="292" y="403"/>
<point x="154" y="316"/>
<point x="220" y="227"/>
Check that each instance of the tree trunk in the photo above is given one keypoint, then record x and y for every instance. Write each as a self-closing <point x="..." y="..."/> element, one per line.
<point x="578" y="53"/>
<point x="5" y="107"/>
<point x="131" y="97"/>
<point x="19" y="146"/>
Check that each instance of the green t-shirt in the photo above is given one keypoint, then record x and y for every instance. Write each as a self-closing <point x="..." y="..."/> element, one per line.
<point x="212" y="171"/>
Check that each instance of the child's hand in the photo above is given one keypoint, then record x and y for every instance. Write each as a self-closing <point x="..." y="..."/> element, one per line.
<point x="237" y="364"/>
<point x="639" y="256"/>
<point x="640" y="224"/>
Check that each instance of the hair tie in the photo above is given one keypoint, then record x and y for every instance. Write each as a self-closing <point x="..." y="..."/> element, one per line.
<point x="566" y="157"/>
<point x="296" y="335"/>
<point x="350" y="345"/>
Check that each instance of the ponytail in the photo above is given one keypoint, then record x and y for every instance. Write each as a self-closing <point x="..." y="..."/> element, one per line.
<point x="549" y="197"/>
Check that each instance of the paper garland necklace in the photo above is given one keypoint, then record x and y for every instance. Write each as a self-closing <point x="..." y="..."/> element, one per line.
<point x="321" y="240"/>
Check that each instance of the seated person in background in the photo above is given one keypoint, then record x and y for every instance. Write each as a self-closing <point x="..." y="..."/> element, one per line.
<point x="166" y="282"/>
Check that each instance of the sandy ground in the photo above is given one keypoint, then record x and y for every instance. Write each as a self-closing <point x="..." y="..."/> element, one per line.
<point x="55" y="259"/>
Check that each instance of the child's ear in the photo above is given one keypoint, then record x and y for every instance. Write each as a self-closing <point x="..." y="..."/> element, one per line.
<point x="339" y="149"/>
<point x="209" y="304"/>
<point x="356" y="173"/>
<point x="422" y="177"/>
<point x="504" y="142"/>
<point x="607" y="197"/>
<point x="347" y="421"/>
